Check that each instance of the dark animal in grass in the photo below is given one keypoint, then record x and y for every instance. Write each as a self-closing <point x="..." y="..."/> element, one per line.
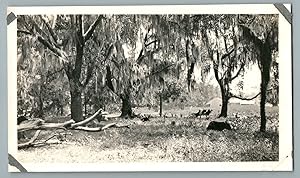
<point x="21" y="119"/>
<point x="203" y="112"/>
<point x="219" y="126"/>
<point x="145" y="118"/>
<point x="198" y="113"/>
<point x="207" y="112"/>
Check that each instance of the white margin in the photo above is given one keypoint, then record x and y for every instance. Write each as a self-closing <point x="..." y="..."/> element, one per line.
<point x="285" y="162"/>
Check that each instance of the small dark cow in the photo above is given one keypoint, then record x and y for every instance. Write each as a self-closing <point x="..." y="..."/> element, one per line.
<point x="206" y="112"/>
<point x="219" y="126"/>
<point x="145" y="118"/>
<point x="21" y="119"/>
<point x="198" y="113"/>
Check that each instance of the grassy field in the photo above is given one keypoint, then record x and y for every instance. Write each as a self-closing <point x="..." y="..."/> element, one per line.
<point x="176" y="138"/>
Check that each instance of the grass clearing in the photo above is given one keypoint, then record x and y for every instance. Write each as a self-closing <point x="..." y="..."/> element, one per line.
<point x="160" y="140"/>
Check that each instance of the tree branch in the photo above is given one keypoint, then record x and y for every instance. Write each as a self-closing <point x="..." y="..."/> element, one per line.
<point x="79" y="19"/>
<point x="87" y="35"/>
<point x="146" y="45"/>
<point x="87" y="120"/>
<point x="227" y="54"/>
<point x="159" y="71"/>
<point x="238" y="72"/>
<point x="49" y="46"/>
<point x="30" y="142"/>
<point x="24" y="32"/>
<point x="140" y="57"/>
<point x="250" y="36"/>
<point x="50" y="30"/>
<point x="247" y="99"/>
<point x="242" y="98"/>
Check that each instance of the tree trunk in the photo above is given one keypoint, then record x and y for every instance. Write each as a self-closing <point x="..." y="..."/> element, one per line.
<point x="160" y="104"/>
<point x="85" y="106"/>
<point x="225" y="99"/>
<point x="266" y="60"/>
<point x="76" y="101"/>
<point x="41" y="106"/>
<point x="263" y="119"/>
<point x="126" y="104"/>
<point x="75" y="85"/>
<point x="224" y="107"/>
<point x="189" y="75"/>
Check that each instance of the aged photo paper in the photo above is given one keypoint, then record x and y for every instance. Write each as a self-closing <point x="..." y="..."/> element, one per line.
<point x="150" y="88"/>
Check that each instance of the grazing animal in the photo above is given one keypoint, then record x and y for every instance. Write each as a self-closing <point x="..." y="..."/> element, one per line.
<point x="203" y="112"/>
<point x="198" y="113"/>
<point x="145" y="118"/>
<point x="21" y="119"/>
<point x="219" y="126"/>
<point x="207" y="113"/>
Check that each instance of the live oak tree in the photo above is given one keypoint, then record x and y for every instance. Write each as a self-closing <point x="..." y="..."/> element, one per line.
<point x="220" y="36"/>
<point x="261" y="33"/>
<point x="118" y="70"/>
<point x="140" y="54"/>
<point x="66" y="37"/>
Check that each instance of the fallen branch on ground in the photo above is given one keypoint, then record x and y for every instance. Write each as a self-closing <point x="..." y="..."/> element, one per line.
<point x="40" y="125"/>
<point x="30" y="142"/>
<point x="86" y="120"/>
<point x="97" y="129"/>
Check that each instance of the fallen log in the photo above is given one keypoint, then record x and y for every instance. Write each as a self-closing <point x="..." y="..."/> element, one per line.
<point x="39" y="125"/>
<point x="97" y="129"/>
<point x="86" y="120"/>
<point x="30" y="142"/>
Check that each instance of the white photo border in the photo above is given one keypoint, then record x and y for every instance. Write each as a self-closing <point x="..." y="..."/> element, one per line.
<point x="285" y="162"/>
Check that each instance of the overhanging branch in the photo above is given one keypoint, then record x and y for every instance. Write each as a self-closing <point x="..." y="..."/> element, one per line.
<point x="87" y="35"/>
<point x="238" y="72"/>
<point x="243" y="98"/>
<point x="50" y="30"/>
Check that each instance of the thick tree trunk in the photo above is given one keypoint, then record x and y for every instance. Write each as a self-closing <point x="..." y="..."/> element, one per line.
<point x="76" y="102"/>
<point x="224" y="107"/>
<point x="76" y="86"/>
<point x="263" y="119"/>
<point x="126" y="104"/>
<point x="266" y="60"/>
<point x="225" y="99"/>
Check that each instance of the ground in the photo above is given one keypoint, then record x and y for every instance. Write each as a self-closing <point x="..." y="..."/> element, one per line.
<point x="174" y="138"/>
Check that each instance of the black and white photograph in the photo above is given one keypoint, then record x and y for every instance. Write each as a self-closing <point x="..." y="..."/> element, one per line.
<point x="150" y="88"/>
